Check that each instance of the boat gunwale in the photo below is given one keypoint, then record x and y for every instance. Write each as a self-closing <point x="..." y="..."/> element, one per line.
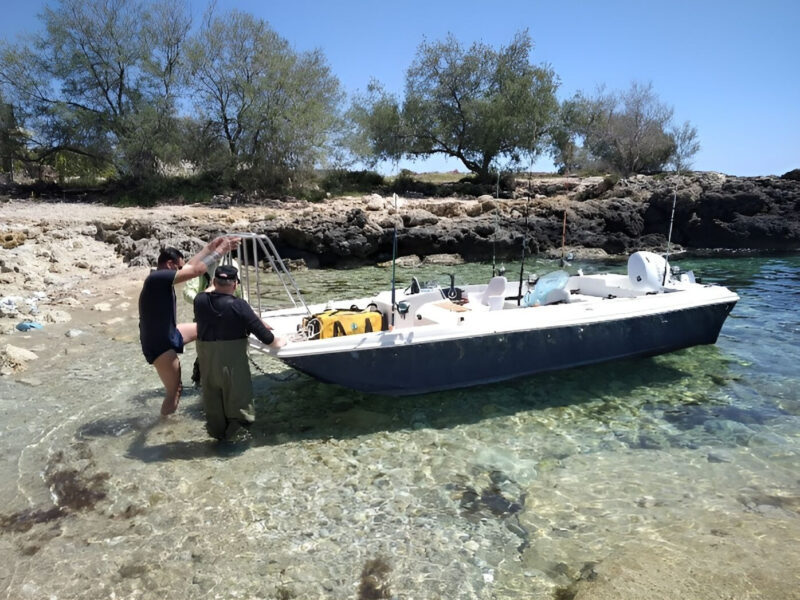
<point x="491" y="323"/>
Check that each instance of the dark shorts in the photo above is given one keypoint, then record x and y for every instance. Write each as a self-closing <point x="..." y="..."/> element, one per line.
<point x="153" y="349"/>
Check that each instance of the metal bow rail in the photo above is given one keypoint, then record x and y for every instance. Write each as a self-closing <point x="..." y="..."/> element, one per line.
<point x="259" y="245"/>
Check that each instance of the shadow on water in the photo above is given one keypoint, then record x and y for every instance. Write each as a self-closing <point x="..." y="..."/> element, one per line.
<point x="143" y="426"/>
<point x="122" y="425"/>
<point x="180" y="450"/>
<point x="305" y="410"/>
<point x="113" y="426"/>
<point x="145" y="397"/>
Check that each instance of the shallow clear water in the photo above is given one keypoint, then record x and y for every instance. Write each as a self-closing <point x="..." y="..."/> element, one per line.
<point x="502" y="491"/>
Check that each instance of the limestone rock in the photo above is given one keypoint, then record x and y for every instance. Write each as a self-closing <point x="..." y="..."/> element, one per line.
<point x="407" y="262"/>
<point x="417" y="217"/>
<point x="443" y="259"/>
<point x="56" y="316"/>
<point x="12" y="239"/>
<point x="375" y="202"/>
<point x="16" y="358"/>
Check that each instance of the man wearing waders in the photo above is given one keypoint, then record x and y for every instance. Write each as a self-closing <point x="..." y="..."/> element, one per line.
<point x="224" y="322"/>
<point x="190" y="291"/>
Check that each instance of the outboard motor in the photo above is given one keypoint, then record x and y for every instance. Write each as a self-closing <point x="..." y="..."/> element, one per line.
<point x="646" y="271"/>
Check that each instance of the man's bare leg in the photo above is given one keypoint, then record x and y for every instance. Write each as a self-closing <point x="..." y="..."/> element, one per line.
<point x="168" y="367"/>
<point x="188" y="332"/>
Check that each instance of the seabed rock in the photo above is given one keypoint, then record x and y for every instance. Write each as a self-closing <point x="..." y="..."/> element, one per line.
<point x="14" y="359"/>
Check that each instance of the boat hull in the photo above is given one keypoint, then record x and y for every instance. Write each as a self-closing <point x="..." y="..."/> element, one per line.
<point x="434" y="365"/>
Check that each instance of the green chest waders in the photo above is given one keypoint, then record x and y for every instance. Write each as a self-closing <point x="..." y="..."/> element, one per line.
<point x="227" y="389"/>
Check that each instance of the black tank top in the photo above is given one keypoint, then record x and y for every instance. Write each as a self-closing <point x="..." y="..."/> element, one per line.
<point x="225" y="317"/>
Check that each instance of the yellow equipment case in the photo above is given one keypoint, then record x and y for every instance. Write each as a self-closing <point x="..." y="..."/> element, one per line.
<point x="335" y="323"/>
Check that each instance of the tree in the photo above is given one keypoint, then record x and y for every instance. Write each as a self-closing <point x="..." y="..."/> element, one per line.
<point x="628" y="132"/>
<point x="275" y="110"/>
<point x="10" y="139"/>
<point x="686" y="146"/>
<point x="479" y="105"/>
<point x="566" y="134"/>
<point x="100" y="81"/>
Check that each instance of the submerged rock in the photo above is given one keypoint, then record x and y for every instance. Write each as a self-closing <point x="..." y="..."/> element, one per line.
<point x="14" y="359"/>
<point x="443" y="259"/>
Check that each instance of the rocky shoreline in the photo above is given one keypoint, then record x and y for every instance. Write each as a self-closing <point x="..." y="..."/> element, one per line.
<point x="603" y="216"/>
<point x="59" y="257"/>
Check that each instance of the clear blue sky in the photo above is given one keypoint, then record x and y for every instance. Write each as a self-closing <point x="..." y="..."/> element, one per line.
<point x="730" y="67"/>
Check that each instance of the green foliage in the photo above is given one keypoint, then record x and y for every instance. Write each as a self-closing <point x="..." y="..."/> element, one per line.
<point x="610" y="181"/>
<point x="571" y="121"/>
<point x="408" y="182"/>
<point x="447" y="177"/>
<point x="99" y="81"/>
<point x="272" y="109"/>
<point x="102" y="91"/>
<point x="627" y="132"/>
<point x="107" y="81"/>
<point x="405" y="183"/>
<point x="340" y="181"/>
<point x="159" y="189"/>
<point x="488" y="108"/>
<point x="11" y="144"/>
<point x="77" y="169"/>
<point x="686" y="146"/>
<point x="313" y="194"/>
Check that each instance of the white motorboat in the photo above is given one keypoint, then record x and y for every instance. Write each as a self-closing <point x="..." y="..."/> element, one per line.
<point x="430" y="338"/>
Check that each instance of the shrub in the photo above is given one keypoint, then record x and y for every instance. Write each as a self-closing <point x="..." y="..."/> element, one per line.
<point x="338" y="181"/>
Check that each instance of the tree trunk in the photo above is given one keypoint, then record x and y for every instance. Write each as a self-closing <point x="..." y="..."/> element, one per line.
<point x="6" y="151"/>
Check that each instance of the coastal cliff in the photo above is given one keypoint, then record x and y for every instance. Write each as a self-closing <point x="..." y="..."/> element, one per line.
<point x="604" y="215"/>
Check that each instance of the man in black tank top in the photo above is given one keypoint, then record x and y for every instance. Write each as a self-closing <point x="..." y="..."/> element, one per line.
<point x="162" y="338"/>
<point x="224" y="322"/>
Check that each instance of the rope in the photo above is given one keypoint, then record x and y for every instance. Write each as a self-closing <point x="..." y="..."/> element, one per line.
<point x="290" y="376"/>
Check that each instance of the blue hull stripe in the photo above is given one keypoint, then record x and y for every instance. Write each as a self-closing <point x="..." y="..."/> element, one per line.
<point x="442" y="365"/>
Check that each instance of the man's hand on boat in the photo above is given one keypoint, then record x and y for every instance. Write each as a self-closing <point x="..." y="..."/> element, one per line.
<point x="278" y="342"/>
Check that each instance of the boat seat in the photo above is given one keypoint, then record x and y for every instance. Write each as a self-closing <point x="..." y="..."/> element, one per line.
<point x="549" y="289"/>
<point x="496" y="287"/>
<point x="557" y="295"/>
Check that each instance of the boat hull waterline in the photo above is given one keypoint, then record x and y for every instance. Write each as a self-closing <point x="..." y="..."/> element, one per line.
<point x="486" y="333"/>
<point x="410" y="369"/>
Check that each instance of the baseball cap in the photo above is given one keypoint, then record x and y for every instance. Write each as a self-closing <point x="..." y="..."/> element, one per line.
<point x="226" y="273"/>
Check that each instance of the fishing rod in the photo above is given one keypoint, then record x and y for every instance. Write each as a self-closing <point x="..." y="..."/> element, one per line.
<point x="394" y="259"/>
<point x="564" y="239"/>
<point x="669" y="236"/>
<point x="494" y="237"/>
<point x="524" y="233"/>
